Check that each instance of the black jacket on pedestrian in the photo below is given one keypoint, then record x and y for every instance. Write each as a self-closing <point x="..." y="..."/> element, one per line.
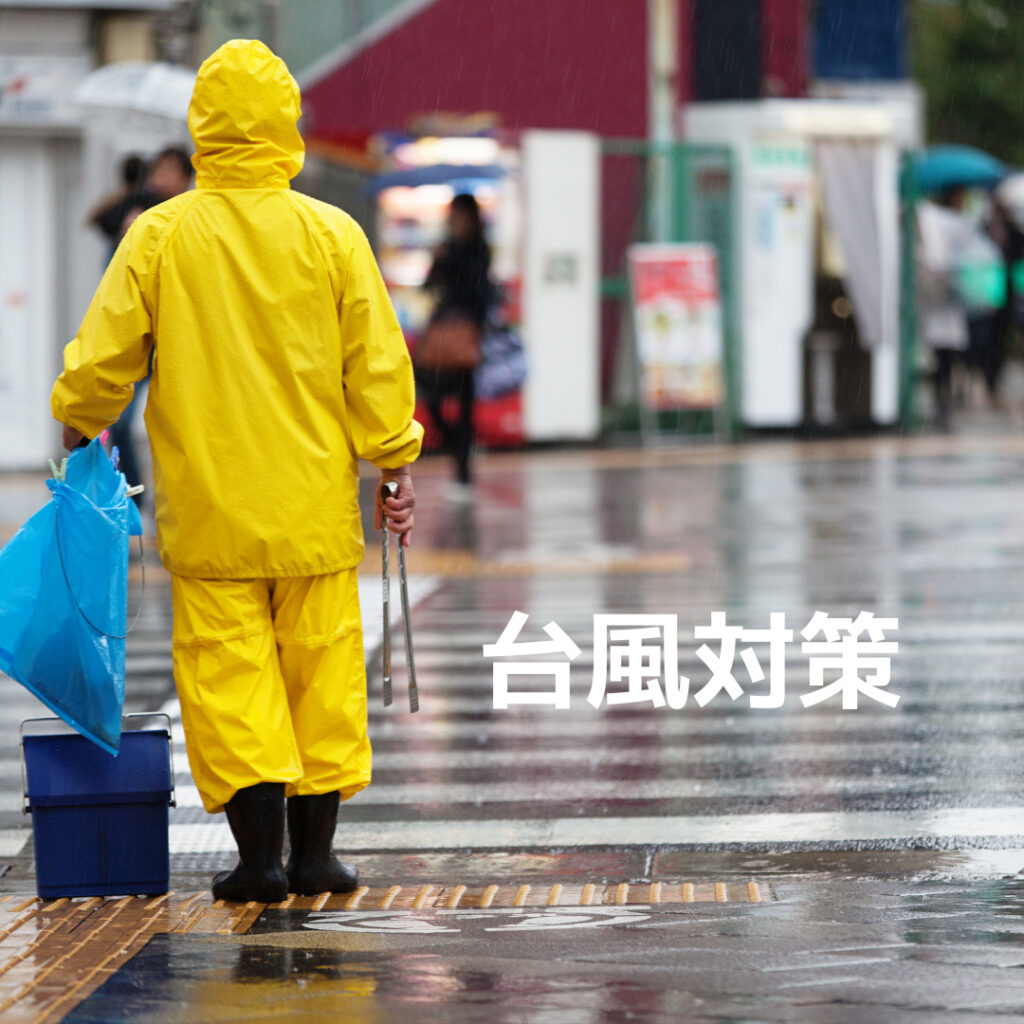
<point x="461" y="273"/>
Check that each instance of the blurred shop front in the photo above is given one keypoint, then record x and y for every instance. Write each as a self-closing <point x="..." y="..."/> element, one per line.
<point x="539" y="196"/>
<point x="798" y="198"/>
<point x="424" y="173"/>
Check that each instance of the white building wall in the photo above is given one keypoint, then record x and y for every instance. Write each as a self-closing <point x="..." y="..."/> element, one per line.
<point x="27" y="301"/>
<point x="35" y="30"/>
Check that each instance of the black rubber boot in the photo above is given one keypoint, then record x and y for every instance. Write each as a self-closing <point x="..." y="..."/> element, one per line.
<point x="256" y="817"/>
<point x="312" y="867"/>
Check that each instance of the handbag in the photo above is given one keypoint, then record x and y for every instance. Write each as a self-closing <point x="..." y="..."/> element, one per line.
<point x="503" y="368"/>
<point x="448" y="345"/>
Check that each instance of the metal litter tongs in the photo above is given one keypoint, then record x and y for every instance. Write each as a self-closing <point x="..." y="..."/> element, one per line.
<point x="390" y="490"/>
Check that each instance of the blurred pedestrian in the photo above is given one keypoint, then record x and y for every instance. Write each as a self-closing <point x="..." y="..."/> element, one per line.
<point x="460" y="275"/>
<point x="170" y="173"/>
<point x="279" y="362"/>
<point x="1009" y="238"/>
<point x="111" y="215"/>
<point x="981" y="284"/>
<point x="942" y="317"/>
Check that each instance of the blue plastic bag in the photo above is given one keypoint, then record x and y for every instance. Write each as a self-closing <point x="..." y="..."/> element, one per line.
<point x="63" y="597"/>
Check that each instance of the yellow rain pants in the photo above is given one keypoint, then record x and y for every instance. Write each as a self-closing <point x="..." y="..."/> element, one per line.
<point x="272" y="683"/>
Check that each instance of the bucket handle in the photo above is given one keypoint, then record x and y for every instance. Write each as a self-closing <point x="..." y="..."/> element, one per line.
<point x="135" y="714"/>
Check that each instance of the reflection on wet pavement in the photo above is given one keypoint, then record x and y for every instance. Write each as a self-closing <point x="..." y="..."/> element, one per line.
<point x="925" y="531"/>
<point x="887" y="838"/>
<point x="886" y="949"/>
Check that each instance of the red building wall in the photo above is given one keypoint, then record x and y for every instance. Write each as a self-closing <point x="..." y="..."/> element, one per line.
<point x="785" y="46"/>
<point x="538" y="63"/>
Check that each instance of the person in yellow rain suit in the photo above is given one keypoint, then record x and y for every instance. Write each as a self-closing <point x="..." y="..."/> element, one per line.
<point x="278" y="363"/>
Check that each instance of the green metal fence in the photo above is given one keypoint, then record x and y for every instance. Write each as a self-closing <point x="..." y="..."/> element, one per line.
<point x="908" y="293"/>
<point x="699" y="206"/>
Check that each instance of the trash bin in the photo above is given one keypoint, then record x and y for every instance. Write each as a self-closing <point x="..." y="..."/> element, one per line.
<point x="99" y="822"/>
<point x="823" y="348"/>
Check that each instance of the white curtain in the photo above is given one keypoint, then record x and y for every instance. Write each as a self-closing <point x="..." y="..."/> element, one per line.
<point x="847" y="173"/>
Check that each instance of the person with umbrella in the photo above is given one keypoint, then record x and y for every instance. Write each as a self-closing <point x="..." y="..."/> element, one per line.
<point x="942" y="316"/>
<point x="278" y="363"/>
<point x="961" y="281"/>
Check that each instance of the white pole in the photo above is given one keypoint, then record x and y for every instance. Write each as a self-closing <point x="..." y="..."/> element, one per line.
<point x="662" y="98"/>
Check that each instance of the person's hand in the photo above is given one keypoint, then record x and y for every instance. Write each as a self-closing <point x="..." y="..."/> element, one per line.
<point x="71" y="438"/>
<point x="400" y="517"/>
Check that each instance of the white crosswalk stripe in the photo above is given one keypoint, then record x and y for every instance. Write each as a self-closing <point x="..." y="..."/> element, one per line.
<point x="547" y="833"/>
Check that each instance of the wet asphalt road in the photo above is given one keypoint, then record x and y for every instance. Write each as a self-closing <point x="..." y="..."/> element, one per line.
<point x="933" y="540"/>
<point x="887" y="837"/>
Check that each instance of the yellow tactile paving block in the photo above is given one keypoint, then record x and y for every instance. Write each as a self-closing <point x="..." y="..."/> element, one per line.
<point x="55" y="953"/>
<point x="474" y="897"/>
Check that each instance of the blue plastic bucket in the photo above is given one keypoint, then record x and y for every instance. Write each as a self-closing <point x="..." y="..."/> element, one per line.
<point x="99" y="822"/>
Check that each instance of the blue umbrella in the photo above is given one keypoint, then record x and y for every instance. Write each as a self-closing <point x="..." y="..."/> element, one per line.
<point x="947" y="166"/>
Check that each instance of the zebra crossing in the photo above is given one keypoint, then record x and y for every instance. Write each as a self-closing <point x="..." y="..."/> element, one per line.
<point x="462" y="776"/>
<point x="470" y="777"/>
<point x="881" y="530"/>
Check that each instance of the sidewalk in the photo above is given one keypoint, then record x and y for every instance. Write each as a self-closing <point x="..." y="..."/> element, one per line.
<point x="712" y="862"/>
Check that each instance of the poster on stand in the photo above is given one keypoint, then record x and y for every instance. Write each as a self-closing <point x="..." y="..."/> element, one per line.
<point x="677" y="312"/>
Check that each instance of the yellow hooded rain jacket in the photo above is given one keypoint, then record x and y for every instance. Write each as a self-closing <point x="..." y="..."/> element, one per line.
<point x="278" y="361"/>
